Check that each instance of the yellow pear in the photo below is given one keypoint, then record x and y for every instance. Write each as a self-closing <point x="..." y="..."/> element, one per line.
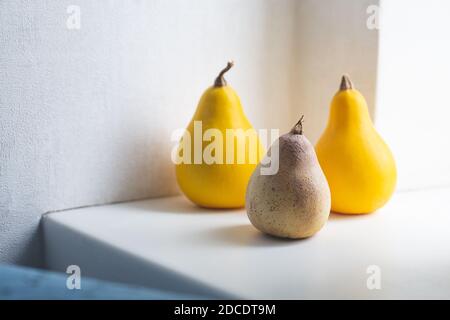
<point x="358" y="164"/>
<point x="219" y="150"/>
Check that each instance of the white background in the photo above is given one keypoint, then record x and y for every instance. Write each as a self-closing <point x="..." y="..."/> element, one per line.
<point x="413" y="108"/>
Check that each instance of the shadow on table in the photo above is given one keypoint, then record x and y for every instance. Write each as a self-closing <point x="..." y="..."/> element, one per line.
<point x="247" y="235"/>
<point x="176" y="205"/>
<point x="339" y="216"/>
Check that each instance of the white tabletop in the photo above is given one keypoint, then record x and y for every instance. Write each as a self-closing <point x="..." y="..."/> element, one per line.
<point x="408" y="241"/>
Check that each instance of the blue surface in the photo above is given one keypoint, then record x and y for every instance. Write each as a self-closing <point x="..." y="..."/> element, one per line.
<point x="25" y="283"/>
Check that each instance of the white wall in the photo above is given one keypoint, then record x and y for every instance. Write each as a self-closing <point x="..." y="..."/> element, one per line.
<point x="86" y="115"/>
<point x="413" y="108"/>
<point x="332" y="39"/>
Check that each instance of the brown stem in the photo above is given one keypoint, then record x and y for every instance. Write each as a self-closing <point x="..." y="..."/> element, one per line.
<point x="220" y="80"/>
<point x="298" y="128"/>
<point x="346" y="83"/>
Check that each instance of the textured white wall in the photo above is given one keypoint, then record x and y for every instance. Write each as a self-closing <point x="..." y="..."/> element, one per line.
<point x="413" y="108"/>
<point x="86" y="115"/>
<point x="332" y="39"/>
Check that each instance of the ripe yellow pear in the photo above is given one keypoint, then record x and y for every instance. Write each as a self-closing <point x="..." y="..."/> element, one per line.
<point x="358" y="164"/>
<point x="223" y="151"/>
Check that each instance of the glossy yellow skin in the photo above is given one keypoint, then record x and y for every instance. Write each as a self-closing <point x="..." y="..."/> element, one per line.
<point x="218" y="185"/>
<point x="359" y="166"/>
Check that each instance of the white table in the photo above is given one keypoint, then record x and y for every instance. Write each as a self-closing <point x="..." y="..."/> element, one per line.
<point x="171" y="244"/>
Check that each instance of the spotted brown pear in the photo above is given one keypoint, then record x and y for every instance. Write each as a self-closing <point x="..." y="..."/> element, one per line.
<point x="295" y="202"/>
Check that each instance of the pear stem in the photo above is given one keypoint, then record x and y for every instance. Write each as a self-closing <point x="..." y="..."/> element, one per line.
<point x="346" y="83"/>
<point x="220" y="80"/>
<point x="298" y="128"/>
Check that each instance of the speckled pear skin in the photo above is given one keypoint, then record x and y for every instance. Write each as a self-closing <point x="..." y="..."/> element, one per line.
<point x="295" y="202"/>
